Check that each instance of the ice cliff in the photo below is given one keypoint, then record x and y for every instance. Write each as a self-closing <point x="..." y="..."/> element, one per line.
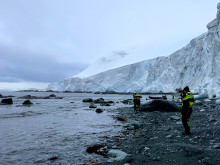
<point x="195" y="65"/>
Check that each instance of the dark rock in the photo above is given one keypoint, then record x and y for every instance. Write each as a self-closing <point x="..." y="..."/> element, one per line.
<point x="120" y="118"/>
<point x="216" y="146"/>
<point x="52" y="95"/>
<point x="72" y="102"/>
<point x="7" y="101"/>
<point x="53" y="158"/>
<point x="161" y="105"/>
<point x="106" y="104"/>
<point x="88" y="100"/>
<point x="27" y="102"/>
<point x="1" y="96"/>
<point x="58" y="97"/>
<point x="99" y="110"/>
<point x="46" y="97"/>
<point x="92" y="106"/>
<point x="110" y="102"/>
<point x="10" y="96"/>
<point x="26" y="97"/>
<point x="128" y="101"/>
<point x="99" y="100"/>
<point x="94" y="148"/>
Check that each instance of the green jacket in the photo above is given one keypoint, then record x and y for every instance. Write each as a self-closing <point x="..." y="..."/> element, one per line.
<point x="137" y="96"/>
<point x="188" y="100"/>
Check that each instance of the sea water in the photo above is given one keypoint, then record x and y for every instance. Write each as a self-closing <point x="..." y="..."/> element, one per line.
<point x="54" y="128"/>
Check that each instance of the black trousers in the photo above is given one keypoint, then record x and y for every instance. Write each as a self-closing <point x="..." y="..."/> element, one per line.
<point x="136" y="103"/>
<point x="186" y="113"/>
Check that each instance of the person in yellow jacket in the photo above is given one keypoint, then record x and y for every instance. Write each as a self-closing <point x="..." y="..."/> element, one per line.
<point x="187" y="103"/>
<point x="137" y="101"/>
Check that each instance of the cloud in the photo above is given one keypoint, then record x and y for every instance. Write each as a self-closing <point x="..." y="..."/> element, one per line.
<point x="16" y="65"/>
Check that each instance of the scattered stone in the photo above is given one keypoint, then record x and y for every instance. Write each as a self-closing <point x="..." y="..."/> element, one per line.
<point x="7" y="101"/>
<point x="93" y="161"/>
<point x="202" y="110"/>
<point x="169" y="136"/>
<point x="94" y="148"/>
<point x="146" y="149"/>
<point x="179" y="123"/>
<point x="10" y="96"/>
<point x="99" y="110"/>
<point x="52" y="95"/>
<point x="120" y="118"/>
<point x="27" y="102"/>
<point x="88" y="100"/>
<point x="117" y="154"/>
<point x="212" y="120"/>
<point x="92" y="106"/>
<point x="99" y="100"/>
<point x="175" y="117"/>
<point x="216" y="146"/>
<point x="53" y="158"/>
<point x="128" y="101"/>
<point x="161" y="105"/>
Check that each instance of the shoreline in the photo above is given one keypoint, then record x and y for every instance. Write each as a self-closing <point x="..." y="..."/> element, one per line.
<point x="155" y="137"/>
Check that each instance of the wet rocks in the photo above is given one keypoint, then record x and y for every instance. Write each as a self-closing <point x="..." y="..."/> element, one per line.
<point x="99" y="110"/>
<point x="53" y="158"/>
<point x="7" y="101"/>
<point x="27" y="102"/>
<point x="161" y="105"/>
<point x="117" y="155"/>
<point x="52" y="95"/>
<point x="174" y="117"/>
<point x="120" y="118"/>
<point x="88" y="100"/>
<point x="99" y="100"/>
<point x="37" y="97"/>
<point x="94" y="148"/>
<point x="128" y="101"/>
<point x="92" y="106"/>
<point x="216" y="146"/>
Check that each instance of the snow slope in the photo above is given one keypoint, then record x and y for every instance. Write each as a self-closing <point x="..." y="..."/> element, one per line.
<point x="195" y="65"/>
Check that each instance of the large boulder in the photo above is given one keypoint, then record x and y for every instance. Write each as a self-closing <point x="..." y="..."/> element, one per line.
<point x="88" y="100"/>
<point x="7" y="101"/>
<point x="161" y="105"/>
<point x="27" y="102"/>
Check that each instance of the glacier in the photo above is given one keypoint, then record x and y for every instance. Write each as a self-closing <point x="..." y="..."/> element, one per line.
<point x="196" y="65"/>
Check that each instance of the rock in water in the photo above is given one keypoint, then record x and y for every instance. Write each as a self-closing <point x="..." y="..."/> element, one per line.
<point x="7" y="101"/>
<point x="99" y="100"/>
<point x="118" y="154"/>
<point x="27" y="102"/>
<point x="88" y="100"/>
<point x="99" y="110"/>
<point x="161" y="105"/>
<point x="92" y="106"/>
<point x="94" y="148"/>
<point x="52" y="95"/>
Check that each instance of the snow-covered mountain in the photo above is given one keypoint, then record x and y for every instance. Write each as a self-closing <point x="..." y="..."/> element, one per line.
<point x="195" y="65"/>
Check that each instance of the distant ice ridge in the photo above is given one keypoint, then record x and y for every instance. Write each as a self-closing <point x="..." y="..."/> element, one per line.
<point x="195" y="65"/>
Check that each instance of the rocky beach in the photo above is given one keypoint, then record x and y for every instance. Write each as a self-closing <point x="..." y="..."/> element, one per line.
<point x="156" y="137"/>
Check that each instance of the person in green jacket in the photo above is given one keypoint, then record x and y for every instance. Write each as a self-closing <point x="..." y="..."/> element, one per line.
<point x="137" y="101"/>
<point x="187" y="103"/>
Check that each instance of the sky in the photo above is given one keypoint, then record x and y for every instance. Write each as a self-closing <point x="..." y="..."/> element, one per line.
<point x="43" y="41"/>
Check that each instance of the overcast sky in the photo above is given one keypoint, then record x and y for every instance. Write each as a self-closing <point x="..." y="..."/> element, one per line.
<point x="48" y="40"/>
